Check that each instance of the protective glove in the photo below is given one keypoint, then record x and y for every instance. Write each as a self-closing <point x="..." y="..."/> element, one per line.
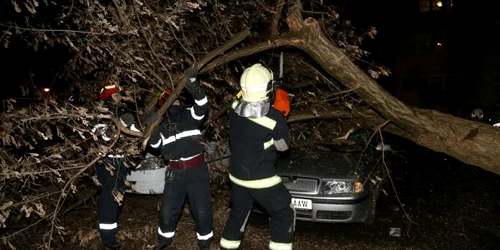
<point x="280" y="145"/>
<point x="193" y="85"/>
<point x="127" y="120"/>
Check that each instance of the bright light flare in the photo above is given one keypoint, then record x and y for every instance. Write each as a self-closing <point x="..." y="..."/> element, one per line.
<point x="439" y="4"/>
<point x="46" y="90"/>
<point x="439" y="44"/>
<point x="358" y="187"/>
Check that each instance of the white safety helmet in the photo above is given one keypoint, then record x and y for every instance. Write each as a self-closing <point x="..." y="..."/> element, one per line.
<point x="254" y="83"/>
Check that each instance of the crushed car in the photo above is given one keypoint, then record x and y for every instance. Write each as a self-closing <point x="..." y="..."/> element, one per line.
<point x="335" y="183"/>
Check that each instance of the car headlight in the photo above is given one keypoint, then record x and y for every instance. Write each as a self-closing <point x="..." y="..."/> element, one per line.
<point x="342" y="187"/>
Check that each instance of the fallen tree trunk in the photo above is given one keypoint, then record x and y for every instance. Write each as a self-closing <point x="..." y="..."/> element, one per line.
<point x="457" y="146"/>
<point x="471" y="142"/>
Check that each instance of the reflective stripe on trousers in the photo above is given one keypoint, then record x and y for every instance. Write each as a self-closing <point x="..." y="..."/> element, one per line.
<point x="230" y="244"/>
<point x="199" y="236"/>
<point x="205" y="237"/>
<point x="106" y="226"/>
<point x="167" y="234"/>
<point x="280" y="246"/>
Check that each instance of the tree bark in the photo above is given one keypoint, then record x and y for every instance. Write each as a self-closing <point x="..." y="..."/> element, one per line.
<point x="470" y="142"/>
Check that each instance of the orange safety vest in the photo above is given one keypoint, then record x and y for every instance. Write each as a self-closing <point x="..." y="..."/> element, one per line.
<point x="282" y="101"/>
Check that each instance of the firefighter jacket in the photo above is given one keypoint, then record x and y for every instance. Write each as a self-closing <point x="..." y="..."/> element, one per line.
<point x="179" y="138"/>
<point x="107" y="131"/>
<point x="253" y="152"/>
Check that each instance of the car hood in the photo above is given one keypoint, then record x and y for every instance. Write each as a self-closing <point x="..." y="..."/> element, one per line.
<point x="327" y="164"/>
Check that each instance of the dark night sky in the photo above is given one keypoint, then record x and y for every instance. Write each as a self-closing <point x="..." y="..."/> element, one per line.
<point x="20" y="63"/>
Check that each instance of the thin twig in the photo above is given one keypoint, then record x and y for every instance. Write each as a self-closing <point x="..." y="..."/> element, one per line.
<point x="276" y="19"/>
<point x="119" y="10"/>
<point x="182" y="45"/>
<point x="53" y="116"/>
<point x="38" y="197"/>
<point x="7" y="174"/>
<point x="28" y="227"/>
<point x="151" y="47"/>
<point x="386" y="168"/>
<point x="55" y="30"/>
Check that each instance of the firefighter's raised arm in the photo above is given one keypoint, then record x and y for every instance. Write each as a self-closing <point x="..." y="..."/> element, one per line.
<point x="200" y="108"/>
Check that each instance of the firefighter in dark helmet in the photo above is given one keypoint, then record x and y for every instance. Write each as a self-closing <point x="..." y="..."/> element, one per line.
<point x="257" y="131"/>
<point x="178" y="139"/>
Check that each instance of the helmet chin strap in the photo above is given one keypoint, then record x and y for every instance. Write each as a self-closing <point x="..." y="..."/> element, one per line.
<point x="270" y="86"/>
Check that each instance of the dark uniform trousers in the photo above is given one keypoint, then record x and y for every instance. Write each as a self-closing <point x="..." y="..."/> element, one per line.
<point x="195" y="184"/>
<point x="108" y="207"/>
<point x="276" y="200"/>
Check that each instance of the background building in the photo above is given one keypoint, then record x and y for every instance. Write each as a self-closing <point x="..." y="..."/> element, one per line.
<point x="447" y="56"/>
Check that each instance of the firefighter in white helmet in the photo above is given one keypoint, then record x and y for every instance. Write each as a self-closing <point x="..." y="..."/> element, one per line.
<point x="257" y="131"/>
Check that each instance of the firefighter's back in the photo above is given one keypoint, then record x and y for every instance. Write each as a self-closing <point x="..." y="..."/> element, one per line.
<point x="252" y="151"/>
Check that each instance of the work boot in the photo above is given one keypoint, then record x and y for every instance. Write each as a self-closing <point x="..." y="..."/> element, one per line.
<point x="108" y="239"/>
<point x="112" y="245"/>
<point x="161" y="246"/>
<point x="163" y="243"/>
<point x="204" y="244"/>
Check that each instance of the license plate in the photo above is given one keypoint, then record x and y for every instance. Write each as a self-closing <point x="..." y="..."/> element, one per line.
<point x="302" y="203"/>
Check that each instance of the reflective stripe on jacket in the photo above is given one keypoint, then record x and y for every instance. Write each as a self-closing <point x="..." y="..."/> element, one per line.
<point x="253" y="154"/>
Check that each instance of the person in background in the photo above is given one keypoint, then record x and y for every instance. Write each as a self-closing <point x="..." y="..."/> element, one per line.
<point x="178" y="139"/>
<point x="110" y="169"/>
<point x="257" y="131"/>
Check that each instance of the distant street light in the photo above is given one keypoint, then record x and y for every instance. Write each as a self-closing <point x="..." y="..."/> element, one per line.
<point x="439" y="4"/>
<point x="46" y="90"/>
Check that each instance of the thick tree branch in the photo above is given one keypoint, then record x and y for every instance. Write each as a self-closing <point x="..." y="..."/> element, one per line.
<point x="246" y="51"/>
<point x="276" y="20"/>
<point x="181" y="80"/>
